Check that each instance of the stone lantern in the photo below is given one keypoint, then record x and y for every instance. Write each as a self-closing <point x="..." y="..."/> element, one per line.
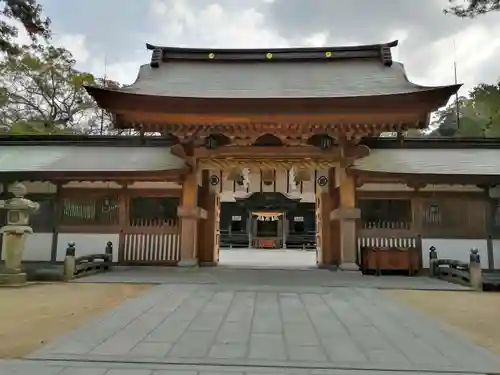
<point x="15" y="233"/>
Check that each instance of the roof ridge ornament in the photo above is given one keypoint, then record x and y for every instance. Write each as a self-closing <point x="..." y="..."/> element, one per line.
<point x="164" y="53"/>
<point x="386" y="55"/>
<point x="156" y="58"/>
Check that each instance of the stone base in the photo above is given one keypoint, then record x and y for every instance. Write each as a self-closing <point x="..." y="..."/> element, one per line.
<point x="352" y="267"/>
<point x="323" y="266"/>
<point x="188" y="263"/>
<point x="209" y="264"/>
<point x="12" y="278"/>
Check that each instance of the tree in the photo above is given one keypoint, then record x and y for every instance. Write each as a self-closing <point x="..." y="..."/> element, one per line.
<point x="473" y="8"/>
<point x="101" y="121"/>
<point x="29" y="14"/>
<point x="42" y="92"/>
<point x="478" y="115"/>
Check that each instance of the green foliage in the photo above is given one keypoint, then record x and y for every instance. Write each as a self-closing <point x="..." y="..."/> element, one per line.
<point x="41" y="91"/>
<point x="473" y="8"/>
<point x="29" y="14"/>
<point x="478" y="115"/>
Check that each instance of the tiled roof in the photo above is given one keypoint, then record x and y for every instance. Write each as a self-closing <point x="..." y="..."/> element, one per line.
<point x="74" y="158"/>
<point x="284" y="79"/>
<point x="432" y="161"/>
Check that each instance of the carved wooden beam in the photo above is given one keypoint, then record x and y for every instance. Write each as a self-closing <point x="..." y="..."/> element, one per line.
<point x="416" y="185"/>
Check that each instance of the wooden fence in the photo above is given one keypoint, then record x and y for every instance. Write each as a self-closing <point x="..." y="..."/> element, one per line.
<point x="151" y="242"/>
<point x="389" y="252"/>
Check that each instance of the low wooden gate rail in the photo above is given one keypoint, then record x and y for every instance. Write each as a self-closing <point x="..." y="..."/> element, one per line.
<point x="468" y="274"/>
<point x="389" y="252"/>
<point x="151" y="242"/>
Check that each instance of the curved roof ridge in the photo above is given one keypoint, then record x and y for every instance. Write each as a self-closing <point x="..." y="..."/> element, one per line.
<point x="391" y="44"/>
<point x="399" y="65"/>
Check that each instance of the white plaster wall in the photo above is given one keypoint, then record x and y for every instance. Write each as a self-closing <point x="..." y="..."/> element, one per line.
<point x="281" y="177"/>
<point x="86" y="243"/>
<point x="496" y="254"/>
<point x="154" y="185"/>
<point x="403" y="187"/>
<point x="454" y="249"/>
<point x="38" y="247"/>
<point x="92" y="185"/>
<point x="40" y="187"/>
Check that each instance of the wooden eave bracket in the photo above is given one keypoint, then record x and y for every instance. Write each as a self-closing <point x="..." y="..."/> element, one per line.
<point x="179" y="151"/>
<point x="196" y="213"/>
<point x="345" y="213"/>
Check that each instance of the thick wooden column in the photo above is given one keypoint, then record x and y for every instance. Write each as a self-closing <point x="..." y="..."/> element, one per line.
<point x="208" y="236"/>
<point x="323" y="234"/>
<point x="328" y="254"/>
<point x="346" y="215"/>
<point x="189" y="214"/>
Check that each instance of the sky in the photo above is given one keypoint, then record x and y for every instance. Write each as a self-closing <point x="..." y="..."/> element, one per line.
<point x="110" y="35"/>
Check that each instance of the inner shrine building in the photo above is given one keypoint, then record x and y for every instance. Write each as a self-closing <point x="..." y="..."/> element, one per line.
<point x="258" y="148"/>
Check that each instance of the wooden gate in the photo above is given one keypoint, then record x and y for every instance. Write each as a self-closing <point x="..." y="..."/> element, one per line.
<point x="151" y="242"/>
<point x="151" y="235"/>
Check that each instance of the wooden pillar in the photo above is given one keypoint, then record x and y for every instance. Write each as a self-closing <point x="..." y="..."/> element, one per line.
<point x="57" y="210"/>
<point x="329" y="255"/>
<point x="346" y="215"/>
<point x="209" y="231"/>
<point x="189" y="214"/>
<point x="323" y="240"/>
<point x="123" y="219"/>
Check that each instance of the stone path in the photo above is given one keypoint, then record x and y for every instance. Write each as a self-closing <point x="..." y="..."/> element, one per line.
<point x="218" y="329"/>
<point x="283" y="280"/>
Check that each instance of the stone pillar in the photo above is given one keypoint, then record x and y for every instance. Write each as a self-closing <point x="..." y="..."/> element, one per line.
<point x="346" y="214"/>
<point x="189" y="214"/>
<point x="476" y="277"/>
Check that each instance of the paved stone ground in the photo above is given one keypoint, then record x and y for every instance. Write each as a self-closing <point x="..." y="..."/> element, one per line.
<point x="284" y="280"/>
<point x="217" y="329"/>
<point x="243" y="321"/>
<point x="260" y="258"/>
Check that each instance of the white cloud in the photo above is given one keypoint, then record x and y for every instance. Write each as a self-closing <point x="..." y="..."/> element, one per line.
<point x="76" y="44"/>
<point x="212" y="26"/>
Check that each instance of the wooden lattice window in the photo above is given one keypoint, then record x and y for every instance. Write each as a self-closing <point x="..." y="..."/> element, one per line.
<point x="432" y="215"/>
<point x="153" y="211"/>
<point x="454" y="217"/>
<point x="386" y="213"/>
<point x="90" y="211"/>
<point x="496" y="214"/>
<point x="43" y="220"/>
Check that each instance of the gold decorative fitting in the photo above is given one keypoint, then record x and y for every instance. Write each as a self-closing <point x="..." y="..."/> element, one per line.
<point x="211" y="56"/>
<point x="328" y="54"/>
<point x="269" y="56"/>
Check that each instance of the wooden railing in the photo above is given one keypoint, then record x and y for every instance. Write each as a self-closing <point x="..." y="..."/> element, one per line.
<point x="151" y="242"/>
<point x="87" y="264"/>
<point x="389" y="252"/>
<point x="468" y="274"/>
<point x="385" y="224"/>
<point x="301" y="241"/>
